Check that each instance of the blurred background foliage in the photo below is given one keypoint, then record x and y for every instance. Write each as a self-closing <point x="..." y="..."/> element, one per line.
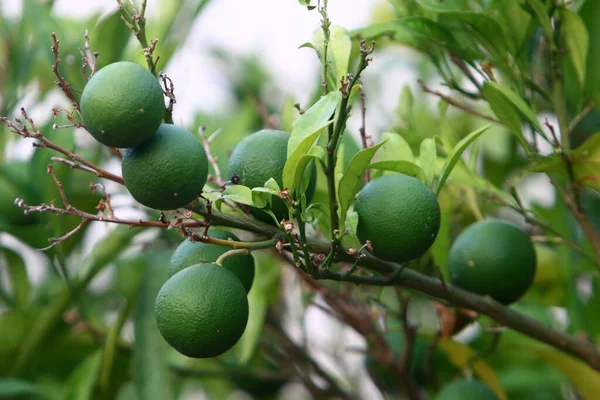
<point x="77" y="322"/>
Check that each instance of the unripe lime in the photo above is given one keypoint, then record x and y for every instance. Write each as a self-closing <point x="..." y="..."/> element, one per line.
<point x="202" y="310"/>
<point x="122" y="105"/>
<point x="190" y="253"/>
<point x="493" y="258"/>
<point x="468" y="389"/>
<point x="259" y="157"/>
<point x="399" y="215"/>
<point x="168" y="171"/>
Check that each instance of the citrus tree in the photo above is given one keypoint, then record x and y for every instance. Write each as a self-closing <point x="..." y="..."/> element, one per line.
<point x="182" y="259"/>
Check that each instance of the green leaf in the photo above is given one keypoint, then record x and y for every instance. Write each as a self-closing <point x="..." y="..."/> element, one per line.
<point x="21" y="287"/>
<point x="238" y="193"/>
<point x="112" y="50"/>
<point x="427" y="158"/>
<point x="313" y="120"/>
<point x="577" y="41"/>
<point x="81" y="382"/>
<point x="583" y="377"/>
<point x="590" y="13"/>
<point x="587" y="164"/>
<point x="293" y="162"/>
<point x="303" y="174"/>
<point x="395" y="148"/>
<point x="16" y="387"/>
<point x="151" y="373"/>
<point x="338" y="53"/>
<point x="454" y="157"/>
<point x="351" y="178"/>
<point x="401" y="166"/>
<point x="444" y="6"/>
<point x="462" y="356"/>
<point x="541" y="13"/>
<point x="405" y="106"/>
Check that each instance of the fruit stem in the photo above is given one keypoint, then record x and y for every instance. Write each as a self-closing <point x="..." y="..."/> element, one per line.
<point x="230" y="253"/>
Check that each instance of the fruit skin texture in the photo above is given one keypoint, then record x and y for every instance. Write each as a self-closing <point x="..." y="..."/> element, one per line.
<point x="399" y="215"/>
<point x="493" y="258"/>
<point x="122" y="105"/>
<point x="190" y="253"/>
<point x="202" y="311"/>
<point x="259" y="157"/>
<point x="467" y="389"/>
<point x="168" y="171"/>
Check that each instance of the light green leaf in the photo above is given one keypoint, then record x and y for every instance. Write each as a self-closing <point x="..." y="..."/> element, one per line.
<point x="395" y="148"/>
<point x="584" y="378"/>
<point x="16" y="387"/>
<point x="237" y="193"/>
<point x="351" y="178"/>
<point x="81" y="382"/>
<point x="541" y="13"/>
<point x="401" y="166"/>
<point x="444" y="6"/>
<point x="454" y="157"/>
<point x="577" y="41"/>
<point x="338" y="53"/>
<point x="313" y="120"/>
<point x="587" y="164"/>
<point x="427" y="158"/>
<point x="510" y="109"/>
<point x="462" y="356"/>
<point x="289" y="114"/>
<point x="312" y="212"/>
<point x="293" y="161"/>
<point x="19" y="280"/>
<point x="405" y="106"/>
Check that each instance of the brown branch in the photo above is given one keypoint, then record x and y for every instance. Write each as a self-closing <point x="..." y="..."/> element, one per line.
<point x="34" y="133"/>
<point x="217" y="179"/>
<point x="59" y="186"/>
<point x="457" y="104"/>
<point x="60" y="81"/>
<point x="366" y="139"/>
<point x="169" y="91"/>
<point x="88" y="58"/>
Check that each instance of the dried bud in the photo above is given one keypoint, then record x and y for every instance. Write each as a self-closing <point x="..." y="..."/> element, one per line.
<point x="288" y="226"/>
<point x="285" y="194"/>
<point x="351" y="251"/>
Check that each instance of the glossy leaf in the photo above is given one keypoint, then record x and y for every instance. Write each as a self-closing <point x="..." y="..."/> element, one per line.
<point x="401" y="166"/>
<point x="238" y="193"/>
<point x="462" y="355"/>
<point x="577" y="41"/>
<point x="291" y="166"/>
<point x="351" y="178"/>
<point x="457" y="152"/>
<point x="313" y="120"/>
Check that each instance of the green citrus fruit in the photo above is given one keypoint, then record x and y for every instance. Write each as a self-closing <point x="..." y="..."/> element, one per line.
<point x="202" y="310"/>
<point x="191" y="253"/>
<point x="168" y="171"/>
<point x="259" y="157"/>
<point x="122" y="105"/>
<point x="467" y="389"/>
<point x="493" y="258"/>
<point x="399" y="215"/>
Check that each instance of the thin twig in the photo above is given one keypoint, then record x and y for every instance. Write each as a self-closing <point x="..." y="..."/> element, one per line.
<point x="217" y="179"/>
<point x="89" y="58"/>
<point x="366" y="139"/>
<point x="60" y="81"/>
<point x="457" y="104"/>
<point x="169" y="91"/>
<point x="34" y="133"/>
<point x="59" y="186"/>
<point x="589" y="107"/>
<point x="58" y="240"/>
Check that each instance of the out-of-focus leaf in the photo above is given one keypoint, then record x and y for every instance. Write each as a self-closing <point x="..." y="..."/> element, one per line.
<point x="151" y="373"/>
<point x="587" y="164"/>
<point x="313" y="120"/>
<point x="462" y="355"/>
<point x="109" y="39"/>
<point x="81" y="382"/>
<point x="351" y="178"/>
<point x="401" y="166"/>
<point x="16" y="387"/>
<point x="19" y="280"/>
<point x="406" y="103"/>
<point x="454" y="157"/>
<point x="583" y="377"/>
<point x="427" y="158"/>
<point x="590" y="13"/>
<point x="445" y="6"/>
<point x="541" y="13"/>
<point x="577" y="41"/>
<point x="338" y="53"/>
<point x="289" y="114"/>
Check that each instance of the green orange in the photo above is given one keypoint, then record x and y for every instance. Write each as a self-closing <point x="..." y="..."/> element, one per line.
<point x="168" y="171"/>
<point x="260" y="157"/>
<point x="493" y="258"/>
<point x="190" y="253"/>
<point x="399" y="215"/>
<point x="202" y="311"/>
<point x="122" y="105"/>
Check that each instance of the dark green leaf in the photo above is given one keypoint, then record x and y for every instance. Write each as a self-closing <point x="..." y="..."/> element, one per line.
<point x="109" y="39"/>
<point x="401" y="166"/>
<point x="590" y="13"/>
<point x="577" y="41"/>
<point x="19" y="280"/>
<point x="16" y="387"/>
<point x="81" y="382"/>
<point x="541" y="13"/>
